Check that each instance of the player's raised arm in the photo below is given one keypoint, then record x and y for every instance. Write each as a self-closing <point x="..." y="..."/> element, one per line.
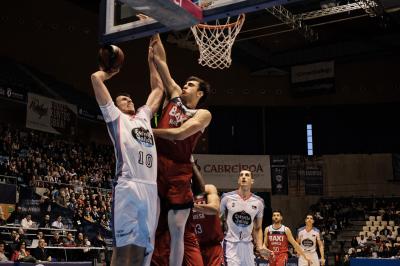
<point x="198" y="122"/>
<point x="157" y="88"/>
<point x="172" y="88"/>
<point x="100" y="90"/>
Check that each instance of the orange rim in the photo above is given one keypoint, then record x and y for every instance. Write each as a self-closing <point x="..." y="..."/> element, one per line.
<point x="230" y="25"/>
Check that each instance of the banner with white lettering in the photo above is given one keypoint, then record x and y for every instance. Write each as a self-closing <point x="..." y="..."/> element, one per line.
<point x="50" y="115"/>
<point x="313" y="79"/>
<point x="223" y="170"/>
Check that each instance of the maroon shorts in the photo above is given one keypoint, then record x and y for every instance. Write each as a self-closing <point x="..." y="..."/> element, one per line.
<point x="279" y="260"/>
<point x="174" y="183"/>
<point x="213" y="254"/>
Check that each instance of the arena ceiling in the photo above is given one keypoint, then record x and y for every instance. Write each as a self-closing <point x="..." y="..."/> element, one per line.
<point x="49" y="36"/>
<point x="308" y="30"/>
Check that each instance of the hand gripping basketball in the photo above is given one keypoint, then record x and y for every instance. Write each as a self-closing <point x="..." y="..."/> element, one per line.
<point x="111" y="58"/>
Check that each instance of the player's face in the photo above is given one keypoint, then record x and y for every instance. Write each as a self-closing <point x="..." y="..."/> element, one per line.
<point x="309" y="220"/>
<point x="191" y="91"/>
<point x="277" y="217"/>
<point x="245" y="178"/>
<point x="125" y="104"/>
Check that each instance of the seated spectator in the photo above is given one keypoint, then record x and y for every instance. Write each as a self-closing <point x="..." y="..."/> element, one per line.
<point x="21" y="254"/>
<point x="58" y="223"/>
<point x="40" y="235"/>
<point x="69" y="241"/>
<point x="40" y="253"/>
<point x="362" y="241"/>
<point x="80" y="241"/>
<point x="391" y="236"/>
<point x="56" y="240"/>
<point x="27" y="222"/>
<point x="45" y="223"/>
<point x="385" y="231"/>
<point x="3" y="220"/>
<point x="88" y="217"/>
<point x="3" y="256"/>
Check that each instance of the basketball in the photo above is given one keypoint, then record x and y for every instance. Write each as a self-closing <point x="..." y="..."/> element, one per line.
<point x="111" y="58"/>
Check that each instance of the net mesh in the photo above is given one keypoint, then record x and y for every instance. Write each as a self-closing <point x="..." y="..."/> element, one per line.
<point x="215" y="41"/>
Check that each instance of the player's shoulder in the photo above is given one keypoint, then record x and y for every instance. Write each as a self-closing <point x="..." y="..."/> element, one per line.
<point x="204" y="114"/>
<point x="315" y="229"/>
<point x="301" y="229"/>
<point x="231" y="194"/>
<point x="257" y="198"/>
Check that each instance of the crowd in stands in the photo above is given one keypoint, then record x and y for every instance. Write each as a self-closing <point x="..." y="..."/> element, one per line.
<point x="381" y="237"/>
<point x="334" y="215"/>
<point x="72" y="182"/>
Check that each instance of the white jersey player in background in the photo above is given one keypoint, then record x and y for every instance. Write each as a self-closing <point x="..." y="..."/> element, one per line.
<point x="243" y="213"/>
<point x="308" y="237"/>
<point x="135" y="200"/>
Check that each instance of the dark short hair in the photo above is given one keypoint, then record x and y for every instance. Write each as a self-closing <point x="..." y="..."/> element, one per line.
<point x="310" y="214"/>
<point x="276" y="210"/>
<point x="204" y="86"/>
<point x="121" y="94"/>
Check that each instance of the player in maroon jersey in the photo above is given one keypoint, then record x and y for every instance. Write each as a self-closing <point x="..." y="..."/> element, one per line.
<point x="207" y="225"/>
<point x="277" y="238"/>
<point x="179" y="128"/>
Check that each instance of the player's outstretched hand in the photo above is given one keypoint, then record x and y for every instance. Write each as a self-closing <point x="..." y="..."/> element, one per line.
<point x="265" y="252"/>
<point x="106" y="75"/>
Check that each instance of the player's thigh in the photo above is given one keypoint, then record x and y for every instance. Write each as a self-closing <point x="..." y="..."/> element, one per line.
<point x="312" y="256"/>
<point x="213" y="255"/>
<point x="231" y="253"/>
<point x="134" y="214"/>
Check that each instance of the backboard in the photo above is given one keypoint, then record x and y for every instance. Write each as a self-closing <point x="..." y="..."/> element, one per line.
<point x="118" y="21"/>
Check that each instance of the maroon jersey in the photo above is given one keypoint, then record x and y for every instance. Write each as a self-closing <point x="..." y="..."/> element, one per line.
<point x="174" y="115"/>
<point x="207" y="227"/>
<point x="277" y="240"/>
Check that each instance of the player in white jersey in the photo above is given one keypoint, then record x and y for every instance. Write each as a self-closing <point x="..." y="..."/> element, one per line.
<point x="135" y="200"/>
<point x="308" y="237"/>
<point x="243" y="213"/>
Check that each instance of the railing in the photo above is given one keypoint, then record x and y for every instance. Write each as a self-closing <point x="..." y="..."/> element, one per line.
<point x="5" y="179"/>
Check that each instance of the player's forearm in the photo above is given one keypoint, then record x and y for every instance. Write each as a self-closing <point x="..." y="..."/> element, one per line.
<point x="258" y="237"/>
<point x="209" y="209"/>
<point x="166" y="133"/>
<point x="298" y="249"/>
<point x="170" y="85"/>
<point x="321" y="250"/>
<point x="198" y="181"/>
<point x="100" y="90"/>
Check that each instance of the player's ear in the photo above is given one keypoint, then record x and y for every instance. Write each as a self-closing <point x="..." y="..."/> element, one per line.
<point x="200" y="93"/>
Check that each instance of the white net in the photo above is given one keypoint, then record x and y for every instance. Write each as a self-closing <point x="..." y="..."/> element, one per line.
<point x="215" y="41"/>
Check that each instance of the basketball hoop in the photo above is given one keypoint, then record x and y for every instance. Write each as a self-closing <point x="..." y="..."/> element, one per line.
<point x="215" y="41"/>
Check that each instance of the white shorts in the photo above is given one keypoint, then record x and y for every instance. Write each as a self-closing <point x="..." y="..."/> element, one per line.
<point x="314" y="259"/>
<point x="239" y="253"/>
<point x="135" y="214"/>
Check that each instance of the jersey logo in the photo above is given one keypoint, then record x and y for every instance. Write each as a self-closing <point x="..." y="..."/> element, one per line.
<point x="143" y="136"/>
<point x="241" y="219"/>
<point x="233" y="205"/>
<point x="254" y="207"/>
<point x="307" y="243"/>
<point x="275" y="238"/>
